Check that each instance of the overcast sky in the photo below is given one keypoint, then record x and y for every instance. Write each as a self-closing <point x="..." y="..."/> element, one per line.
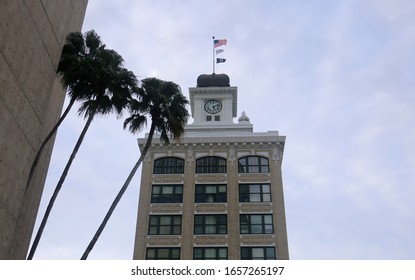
<point x="335" y="77"/>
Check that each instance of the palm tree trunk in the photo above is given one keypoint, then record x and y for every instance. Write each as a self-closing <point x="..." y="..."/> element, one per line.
<point x="59" y="186"/>
<point x="43" y="145"/>
<point x="120" y="194"/>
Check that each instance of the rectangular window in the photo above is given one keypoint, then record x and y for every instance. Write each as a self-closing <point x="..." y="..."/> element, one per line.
<point x="163" y="254"/>
<point x="210" y="253"/>
<point x="217" y="118"/>
<point x="210" y="193"/>
<point x="208" y="118"/>
<point x="165" y="225"/>
<point x="258" y="253"/>
<point x="167" y="194"/>
<point x="253" y="164"/>
<point x="211" y="224"/>
<point x="256" y="224"/>
<point x="254" y="193"/>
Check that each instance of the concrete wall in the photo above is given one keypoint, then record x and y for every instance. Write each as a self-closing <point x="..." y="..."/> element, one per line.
<point x="32" y="33"/>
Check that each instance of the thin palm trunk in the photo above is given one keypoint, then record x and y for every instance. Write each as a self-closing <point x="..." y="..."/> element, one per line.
<point x="59" y="186"/>
<point x="43" y="145"/>
<point x="120" y="194"/>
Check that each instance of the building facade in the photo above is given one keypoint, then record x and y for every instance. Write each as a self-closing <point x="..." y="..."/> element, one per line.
<point x="32" y="34"/>
<point x="217" y="193"/>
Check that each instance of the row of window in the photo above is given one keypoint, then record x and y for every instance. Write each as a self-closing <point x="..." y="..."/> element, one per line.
<point x="174" y="165"/>
<point x="211" y="253"/>
<point x="212" y="193"/>
<point x="211" y="224"/>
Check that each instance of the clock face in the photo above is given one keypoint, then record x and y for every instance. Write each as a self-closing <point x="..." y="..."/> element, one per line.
<point x="213" y="106"/>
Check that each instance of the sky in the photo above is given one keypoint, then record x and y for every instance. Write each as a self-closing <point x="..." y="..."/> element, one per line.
<point x="335" y="77"/>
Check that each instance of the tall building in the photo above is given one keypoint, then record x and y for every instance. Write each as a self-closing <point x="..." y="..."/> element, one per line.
<point x="32" y="34"/>
<point x="217" y="193"/>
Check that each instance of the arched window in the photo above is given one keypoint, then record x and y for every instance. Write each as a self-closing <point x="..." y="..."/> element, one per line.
<point x="253" y="164"/>
<point x="211" y="165"/>
<point x="169" y="165"/>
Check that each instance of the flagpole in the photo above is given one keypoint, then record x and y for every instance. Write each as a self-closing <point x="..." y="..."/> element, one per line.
<point x="213" y="38"/>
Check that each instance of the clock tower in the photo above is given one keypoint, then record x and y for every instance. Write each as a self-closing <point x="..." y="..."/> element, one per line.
<point x="214" y="105"/>
<point x="217" y="192"/>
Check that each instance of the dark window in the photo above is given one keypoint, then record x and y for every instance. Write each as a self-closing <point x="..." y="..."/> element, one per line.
<point x="254" y="193"/>
<point x="211" y="165"/>
<point x="208" y="118"/>
<point x="167" y="194"/>
<point x="256" y="224"/>
<point x="253" y="164"/>
<point x="217" y="118"/>
<point x="258" y="253"/>
<point x="163" y="254"/>
<point x="169" y="165"/>
<point x="210" y="224"/>
<point x="210" y="193"/>
<point x="210" y="253"/>
<point x="165" y="225"/>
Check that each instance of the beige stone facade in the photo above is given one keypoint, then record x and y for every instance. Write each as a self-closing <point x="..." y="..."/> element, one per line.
<point x="213" y="140"/>
<point x="32" y="34"/>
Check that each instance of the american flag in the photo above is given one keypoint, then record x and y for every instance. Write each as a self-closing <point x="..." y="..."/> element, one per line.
<point x="219" y="42"/>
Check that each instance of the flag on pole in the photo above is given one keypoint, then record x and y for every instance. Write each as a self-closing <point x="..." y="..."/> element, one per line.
<point x="220" y="60"/>
<point x="219" y="42"/>
<point x="218" y="51"/>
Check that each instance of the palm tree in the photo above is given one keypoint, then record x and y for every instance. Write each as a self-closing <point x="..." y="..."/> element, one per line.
<point x="72" y="51"/>
<point x="97" y="76"/>
<point x="164" y="103"/>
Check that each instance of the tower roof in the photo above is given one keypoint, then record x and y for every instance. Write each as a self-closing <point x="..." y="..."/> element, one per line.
<point x="213" y="80"/>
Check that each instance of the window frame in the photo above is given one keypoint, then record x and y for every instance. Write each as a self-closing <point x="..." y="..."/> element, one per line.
<point x="250" y="193"/>
<point x="247" y="165"/>
<point x="163" y="166"/>
<point x="205" y="166"/>
<point x="172" y="226"/>
<point x="266" y="253"/>
<point x="202" y="225"/>
<point x="157" y="252"/>
<point x="253" y="226"/>
<point x="176" y="196"/>
<point x="203" y="196"/>
<point x="203" y="253"/>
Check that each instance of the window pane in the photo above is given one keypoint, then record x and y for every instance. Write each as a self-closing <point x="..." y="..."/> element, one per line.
<point x="210" y="253"/>
<point x="270" y="253"/>
<point x="211" y="189"/>
<point x="255" y="197"/>
<point x="257" y="253"/>
<point x="256" y="229"/>
<point x="163" y="253"/>
<point x="256" y="219"/>
<point x="152" y="230"/>
<point x="254" y="188"/>
<point x="264" y="161"/>
<point x="151" y="253"/>
<point x="156" y="190"/>
<point x="267" y="219"/>
<point x="167" y="190"/>
<point x="253" y="169"/>
<point x="153" y="220"/>
<point x="266" y="197"/>
<point x="252" y="161"/>
<point x="266" y="188"/>
<point x="268" y="229"/>
<point x="210" y="229"/>
<point x="244" y="229"/>
<point x="164" y="230"/>
<point x="176" y="230"/>
<point x="165" y="220"/>
<point x="223" y="253"/>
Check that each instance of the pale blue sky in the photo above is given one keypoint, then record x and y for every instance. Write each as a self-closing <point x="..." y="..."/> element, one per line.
<point x="335" y="77"/>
